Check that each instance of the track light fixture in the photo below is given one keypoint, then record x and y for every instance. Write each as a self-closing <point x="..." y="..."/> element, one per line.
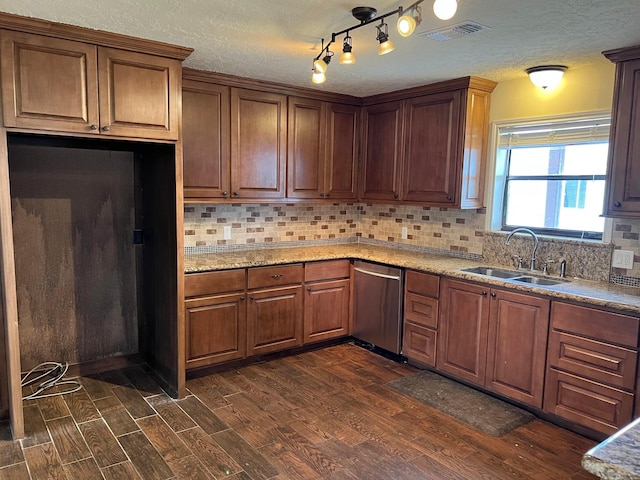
<point x="347" y="58"/>
<point x="386" y="45"/>
<point x="408" y="20"/>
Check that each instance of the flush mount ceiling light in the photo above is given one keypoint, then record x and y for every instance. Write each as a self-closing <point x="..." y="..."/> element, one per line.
<point x="408" y="20"/>
<point x="546" y="77"/>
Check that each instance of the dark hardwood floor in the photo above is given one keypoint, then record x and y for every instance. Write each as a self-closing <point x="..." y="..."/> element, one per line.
<point x="321" y="414"/>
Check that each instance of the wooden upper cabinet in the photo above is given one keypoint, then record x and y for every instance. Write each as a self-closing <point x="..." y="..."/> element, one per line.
<point x="623" y="173"/>
<point x="205" y="140"/>
<point x="48" y="83"/>
<point x="430" y="172"/>
<point x="258" y="144"/>
<point x="341" y="152"/>
<point x="322" y="154"/>
<point x="139" y="94"/>
<point x="474" y="147"/>
<point x="382" y="151"/>
<point x="305" y="148"/>
<point x="67" y="86"/>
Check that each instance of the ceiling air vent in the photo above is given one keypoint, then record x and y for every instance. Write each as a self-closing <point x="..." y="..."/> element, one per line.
<point x="458" y="30"/>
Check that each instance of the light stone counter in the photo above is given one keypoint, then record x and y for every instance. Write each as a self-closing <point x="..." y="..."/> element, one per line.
<point x="618" y="457"/>
<point x="601" y="294"/>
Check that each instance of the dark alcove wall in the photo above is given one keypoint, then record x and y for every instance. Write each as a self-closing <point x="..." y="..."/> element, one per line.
<point x="74" y="214"/>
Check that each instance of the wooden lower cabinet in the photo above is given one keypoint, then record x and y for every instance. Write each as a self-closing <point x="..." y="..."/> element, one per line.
<point x="216" y="329"/>
<point x="464" y="325"/>
<point x="585" y="402"/>
<point x="517" y="346"/>
<point x="494" y="338"/>
<point x="419" y="343"/>
<point x="326" y="311"/>
<point x="274" y="320"/>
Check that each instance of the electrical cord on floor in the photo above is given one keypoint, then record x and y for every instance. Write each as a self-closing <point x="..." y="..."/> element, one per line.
<point x="52" y="374"/>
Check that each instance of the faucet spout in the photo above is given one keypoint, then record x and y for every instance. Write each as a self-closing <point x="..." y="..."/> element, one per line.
<point x="535" y="242"/>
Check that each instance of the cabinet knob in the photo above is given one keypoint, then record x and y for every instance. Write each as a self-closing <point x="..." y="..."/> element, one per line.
<point x="252" y="298"/>
<point x="242" y="299"/>
<point x="617" y="204"/>
<point x="106" y="128"/>
<point x="322" y="195"/>
<point x="493" y="295"/>
<point x="449" y="197"/>
<point x="236" y="194"/>
<point x="309" y="290"/>
<point x="395" y="195"/>
<point x="224" y="194"/>
<point x="276" y="276"/>
<point x="93" y="127"/>
<point x="326" y="195"/>
<point x="484" y="293"/>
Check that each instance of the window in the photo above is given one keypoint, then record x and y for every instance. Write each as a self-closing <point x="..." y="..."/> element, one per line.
<point x="551" y="177"/>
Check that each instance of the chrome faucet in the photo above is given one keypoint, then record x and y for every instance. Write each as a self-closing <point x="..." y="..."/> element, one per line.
<point x="535" y="243"/>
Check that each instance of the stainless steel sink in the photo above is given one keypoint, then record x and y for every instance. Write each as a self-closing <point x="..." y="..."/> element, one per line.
<point x="546" y="282"/>
<point x="511" y="276"/>
<point x="492" y="272"/>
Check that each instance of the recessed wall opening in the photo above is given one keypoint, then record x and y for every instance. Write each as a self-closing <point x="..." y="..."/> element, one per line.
<point x="94" y="227"/>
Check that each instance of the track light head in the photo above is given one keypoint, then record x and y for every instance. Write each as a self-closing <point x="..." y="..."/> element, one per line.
<point x="407" y="22"/>
<point x="347" y="58"/>
<point x="386" y="45"/>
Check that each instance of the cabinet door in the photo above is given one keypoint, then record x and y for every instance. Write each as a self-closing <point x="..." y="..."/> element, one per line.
<point x="326" y="311"/>
<point x="216" y="329"/>
<point x="341" y="156"/>
<point x="274" y="320"/>
<point x="462" y="335"/>
<point x="139" y="94"/>
<point x="476" y="134"/>
<point x="517" y="346"/>
<point x="623" y="187"/>
<point x="305" y="148"/>
<point x="48" y="83"/>
<point x="419" y="343"/>
<point x="382" y="152"/>
<point x="431" y="141"/>
<point x="205" y="140"/>
<point x="258" y="144"/>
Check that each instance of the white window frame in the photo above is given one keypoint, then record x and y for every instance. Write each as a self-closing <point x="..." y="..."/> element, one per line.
<point x="494" y="185"/>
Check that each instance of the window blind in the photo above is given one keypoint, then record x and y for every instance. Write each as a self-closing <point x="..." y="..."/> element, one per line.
<point x="571" y="132"/>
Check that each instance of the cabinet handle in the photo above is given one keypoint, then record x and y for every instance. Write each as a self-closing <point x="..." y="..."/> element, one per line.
<point x="106" y="128"/>
<point x="484" y="294"/>
<point x="242" y="299"/>
<point x="493" y="295"/>
<point x="224" y="194"/>
<point x="617" y="204"/>
<point x="276" y="276"/>
<point x="252" y="298"/>
<point x="93" y="127"/>
<point x="236" y="194"/>
<point x="322" y="195"/>
<point x="395" y="195"/>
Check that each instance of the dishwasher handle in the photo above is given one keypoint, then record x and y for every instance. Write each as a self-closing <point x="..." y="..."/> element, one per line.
<point x="375" y="274"/>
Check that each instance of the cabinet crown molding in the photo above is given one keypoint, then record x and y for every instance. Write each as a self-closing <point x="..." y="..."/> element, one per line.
<point x="623" y="54"/>
<point x="98" y="37"/>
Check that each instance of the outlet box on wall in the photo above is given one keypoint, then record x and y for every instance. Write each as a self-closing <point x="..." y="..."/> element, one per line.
<point x="622" y="259"/>
<point x="227" y="232"/>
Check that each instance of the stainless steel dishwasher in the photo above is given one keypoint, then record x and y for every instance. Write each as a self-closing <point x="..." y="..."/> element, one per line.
<point x="377" y="317"/>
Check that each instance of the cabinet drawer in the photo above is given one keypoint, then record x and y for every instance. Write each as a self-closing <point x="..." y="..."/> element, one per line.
<point x="421" y="310"/>
<point x="326" y="270"/>
<point x="207" y="283"/>
<point x="596" y="360"/>
<point x="423" y="284"/>
<point x="597" y="324"/>
<point x="419" y="343"/>
<point x="264" y="277"/>
<point x="594" y="405"/>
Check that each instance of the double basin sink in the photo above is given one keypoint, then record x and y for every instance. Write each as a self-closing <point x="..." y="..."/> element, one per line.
<point x="519" y="277"/>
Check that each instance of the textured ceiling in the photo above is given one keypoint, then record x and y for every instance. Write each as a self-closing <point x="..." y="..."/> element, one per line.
<point x="277" y="40"/>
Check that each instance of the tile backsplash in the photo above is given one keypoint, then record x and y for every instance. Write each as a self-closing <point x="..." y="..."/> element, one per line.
<point x="452" y="231"/>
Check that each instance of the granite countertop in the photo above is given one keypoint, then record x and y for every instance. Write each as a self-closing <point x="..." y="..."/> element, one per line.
<point x="618" y="457"/>
<point x="596" y="293"/>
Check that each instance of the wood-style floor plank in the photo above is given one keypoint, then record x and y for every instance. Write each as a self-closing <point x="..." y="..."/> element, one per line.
<point x="83" y="470"/>
<point x="43" y="462"/>
<point x="251" y="460"/>
<point x="18" y="471"/>
<point x="103" y="445"/>
<point x="35" y="430"/>
<point x="133" y="401"/>
<point x="81" y="407"/>
<point x="121" y="471"/>
<point x="171" y="413"/>
<point x="163" y="438"/>
<point x="119" y="421"/>
<point x="148" y="462"/>
<point x="68" y="440"/>
<point x="202" y="415"/>
<point x="213" y="457"/>
<point x="190" y="468"/>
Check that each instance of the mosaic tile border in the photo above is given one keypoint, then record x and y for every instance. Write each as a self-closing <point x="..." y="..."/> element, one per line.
<point x="262" y="246"/>
<point x="624" y="280"/>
